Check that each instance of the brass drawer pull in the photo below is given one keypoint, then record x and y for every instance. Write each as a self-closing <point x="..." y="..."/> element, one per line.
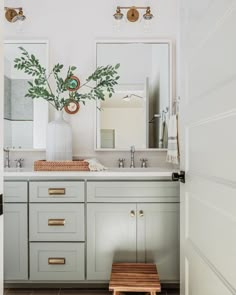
<point x="57" y="261"/>
<point x="56" y="222"/>
<point x="56" y="191"/>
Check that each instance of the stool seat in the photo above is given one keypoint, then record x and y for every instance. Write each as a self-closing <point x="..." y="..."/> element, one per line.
<point x="134" y="277"/>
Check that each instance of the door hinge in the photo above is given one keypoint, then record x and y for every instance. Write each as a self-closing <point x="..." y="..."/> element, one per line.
<point x="178" y="176"/>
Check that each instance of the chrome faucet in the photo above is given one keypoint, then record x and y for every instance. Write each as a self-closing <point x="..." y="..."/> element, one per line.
<point x="7" y="159"/>
<point x="132" y="151"/>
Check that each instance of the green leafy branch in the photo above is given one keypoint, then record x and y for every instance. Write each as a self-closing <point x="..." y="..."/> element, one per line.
<point x="104" y="77"/>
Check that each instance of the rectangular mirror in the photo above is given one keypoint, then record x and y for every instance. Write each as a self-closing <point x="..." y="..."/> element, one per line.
<point x="138" y="111"/>
<point x="25" y="120"/>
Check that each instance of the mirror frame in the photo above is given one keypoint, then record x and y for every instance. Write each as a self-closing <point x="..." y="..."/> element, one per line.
<point x="45" y="117"/>
<point x="172" y="76"/>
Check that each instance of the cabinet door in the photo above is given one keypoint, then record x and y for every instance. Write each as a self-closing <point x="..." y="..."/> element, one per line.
<point x="111" y="237"/>
<point x="158" y="238"/>
<point x="15" y="242"/>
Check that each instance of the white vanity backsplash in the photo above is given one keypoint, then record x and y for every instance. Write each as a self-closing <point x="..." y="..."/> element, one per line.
<point x="108" y="159"/>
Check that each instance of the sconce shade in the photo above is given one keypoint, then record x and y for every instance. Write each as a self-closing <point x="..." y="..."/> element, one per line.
<point x="148" y="15"/>
<point x="118" y="15"/>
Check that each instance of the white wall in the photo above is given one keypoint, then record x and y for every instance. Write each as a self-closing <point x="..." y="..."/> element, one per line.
<point x="72" y="28"/>
<point x="128" y="124"/>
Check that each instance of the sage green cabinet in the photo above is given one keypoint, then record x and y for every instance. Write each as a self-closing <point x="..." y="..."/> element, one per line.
<point x="135" y="232"/>
<point x="111" y="236"/>
<point x="132" y="191"/>
<point x="57" y="261"/>
<point x="56" y="222"/>
<point x="15" y="242"/>
<point x="15" y="191"/>
<point x="158" y="238"/>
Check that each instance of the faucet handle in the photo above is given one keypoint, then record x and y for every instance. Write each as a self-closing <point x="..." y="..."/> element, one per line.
<point x="121" y="162"/>
<point x="143" y="162"/>
<point x="19" y="163"/>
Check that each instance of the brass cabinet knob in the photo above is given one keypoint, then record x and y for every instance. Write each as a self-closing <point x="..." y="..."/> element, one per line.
<point x="141" y="213"/>
<point x="132" y="213"/>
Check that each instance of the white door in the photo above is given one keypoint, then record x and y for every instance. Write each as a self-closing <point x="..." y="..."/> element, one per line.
<point x="208" y="145"/>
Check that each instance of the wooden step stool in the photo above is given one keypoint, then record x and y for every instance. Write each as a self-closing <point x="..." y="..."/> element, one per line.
<point x="134" y="277"/>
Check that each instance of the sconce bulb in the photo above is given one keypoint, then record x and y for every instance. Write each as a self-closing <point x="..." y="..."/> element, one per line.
<point x="148" y="15"/>
<point x="118" y="15"/>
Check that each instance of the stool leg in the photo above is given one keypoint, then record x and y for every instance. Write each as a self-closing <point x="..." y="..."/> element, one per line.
<point x="116" y="292"/>
<point x="153" y="293"/>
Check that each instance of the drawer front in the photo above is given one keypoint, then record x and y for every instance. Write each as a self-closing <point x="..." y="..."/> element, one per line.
<point x="56" y="191"/>
<point x="15" y="192"/>
<point x="142" y="191"/>
<point x="56" y="222"/>
<point x="57" y="261"/>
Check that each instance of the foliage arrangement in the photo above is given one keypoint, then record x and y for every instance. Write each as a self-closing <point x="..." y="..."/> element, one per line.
<point x="105" y="78"/>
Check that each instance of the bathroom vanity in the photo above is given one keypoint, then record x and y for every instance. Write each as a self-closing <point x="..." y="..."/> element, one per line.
<point x="69" y="227"/>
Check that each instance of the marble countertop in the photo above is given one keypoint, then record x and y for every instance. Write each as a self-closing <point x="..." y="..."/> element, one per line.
<point x="111" y="173"/>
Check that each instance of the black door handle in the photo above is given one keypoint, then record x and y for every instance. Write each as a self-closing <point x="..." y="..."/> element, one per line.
<point x="1" y="204"/>
<point x="178" y="176"/>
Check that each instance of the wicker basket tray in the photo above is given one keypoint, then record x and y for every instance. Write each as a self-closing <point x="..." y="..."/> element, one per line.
<point x="76" y="165"/>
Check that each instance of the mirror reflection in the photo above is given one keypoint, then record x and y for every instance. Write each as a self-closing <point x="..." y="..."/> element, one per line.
<point x="25" y="120"/>
<point x="138" y="111"/>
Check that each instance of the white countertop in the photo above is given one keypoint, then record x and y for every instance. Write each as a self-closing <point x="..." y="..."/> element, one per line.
<point x="111" y="173"/>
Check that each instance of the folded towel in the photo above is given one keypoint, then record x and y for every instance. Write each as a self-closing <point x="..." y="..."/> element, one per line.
<point x="173" y="143"/>
<point x="95" y="165"/>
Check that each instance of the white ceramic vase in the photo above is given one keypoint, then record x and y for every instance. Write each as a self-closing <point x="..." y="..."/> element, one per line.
<point x="59" y="140"/>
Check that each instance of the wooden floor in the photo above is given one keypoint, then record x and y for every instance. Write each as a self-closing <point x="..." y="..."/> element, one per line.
<point x="73" y="292"/>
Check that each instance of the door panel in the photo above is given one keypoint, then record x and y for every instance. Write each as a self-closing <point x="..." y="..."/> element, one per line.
<point x="111" y="237"/>
<point x="208" y="118"/>
<point x="158" y="238"/>
<point x="15" y="242"/>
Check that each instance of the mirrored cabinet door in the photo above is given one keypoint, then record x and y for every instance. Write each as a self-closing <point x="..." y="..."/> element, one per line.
<point x="137" y="113"/>
<point x="25" y="120"/>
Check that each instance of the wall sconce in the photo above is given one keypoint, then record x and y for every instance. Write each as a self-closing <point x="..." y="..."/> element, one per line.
<point x="14" y="14"/>
<point x="133" y="13"/>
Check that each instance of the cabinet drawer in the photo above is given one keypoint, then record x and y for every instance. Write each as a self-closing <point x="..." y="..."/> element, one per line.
<point x="56" y="222"/>
<point x="57" y="261"/>
<point x="57" y="191"/>
<point x="142" y="191"/>
<point x="15" y="192"/>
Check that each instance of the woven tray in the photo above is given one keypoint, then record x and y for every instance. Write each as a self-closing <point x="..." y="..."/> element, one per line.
<point x="76" y="165"/>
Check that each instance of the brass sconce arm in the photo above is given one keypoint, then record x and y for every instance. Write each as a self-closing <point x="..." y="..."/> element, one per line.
<point x="133" y="13"/>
